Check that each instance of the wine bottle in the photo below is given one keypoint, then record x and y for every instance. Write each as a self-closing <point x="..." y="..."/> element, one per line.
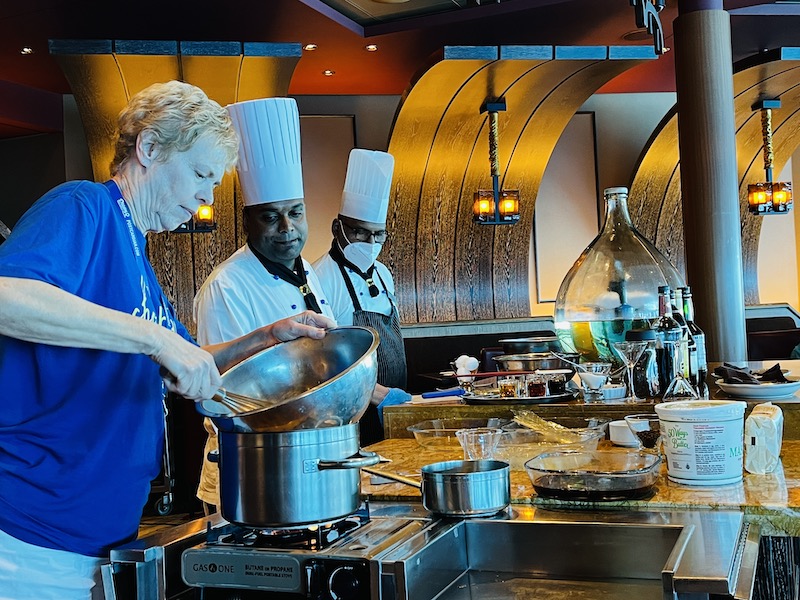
<point x="699" y="337"/>
<point x="676" y="301"/>
<point x="667" y="330"/>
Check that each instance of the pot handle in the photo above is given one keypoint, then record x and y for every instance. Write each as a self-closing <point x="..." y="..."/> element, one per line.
<point x="364" y="458"/>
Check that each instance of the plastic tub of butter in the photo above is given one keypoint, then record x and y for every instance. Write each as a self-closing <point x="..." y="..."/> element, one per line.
<point x="703" y="440"/>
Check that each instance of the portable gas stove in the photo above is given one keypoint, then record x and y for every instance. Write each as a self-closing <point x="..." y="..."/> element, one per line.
<point x="398" y="551"/>
<point x="333" y="560"/>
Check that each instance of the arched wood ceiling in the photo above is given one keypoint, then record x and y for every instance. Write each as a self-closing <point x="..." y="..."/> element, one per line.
<point x="655" y="199"/>
<point x="446" y="267"/>
<point x="104" y="74"/>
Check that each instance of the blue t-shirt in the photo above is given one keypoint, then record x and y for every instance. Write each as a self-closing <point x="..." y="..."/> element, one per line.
<point x="81" y="431"/>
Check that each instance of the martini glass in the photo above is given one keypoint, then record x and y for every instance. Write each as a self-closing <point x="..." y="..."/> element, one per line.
<point x="679" y="388"/>
<point x="594" y="376"/>
<point x="647" y="429"/>
<point x="630" y="353"/>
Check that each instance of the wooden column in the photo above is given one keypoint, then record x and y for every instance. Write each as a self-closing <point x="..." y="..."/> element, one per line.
<point x="709" y="185"/>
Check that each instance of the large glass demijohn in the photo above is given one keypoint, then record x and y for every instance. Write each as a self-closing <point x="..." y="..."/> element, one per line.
<point x="612" y="287"/>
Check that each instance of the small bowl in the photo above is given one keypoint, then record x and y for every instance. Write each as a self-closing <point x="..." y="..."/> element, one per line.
<point x="594" y="476"/>
<point x="621" y="435"/>
<point x="442" y="432"/>
<point x="614" y="391"/>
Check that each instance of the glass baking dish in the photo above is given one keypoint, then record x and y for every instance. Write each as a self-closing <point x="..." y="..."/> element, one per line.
<point x="594" y="476"/>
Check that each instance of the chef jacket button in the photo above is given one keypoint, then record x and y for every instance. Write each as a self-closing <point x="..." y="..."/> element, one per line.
<point x="294" y="306"/>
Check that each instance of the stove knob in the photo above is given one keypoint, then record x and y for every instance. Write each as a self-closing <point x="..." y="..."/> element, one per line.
<point x="343" y="584"/>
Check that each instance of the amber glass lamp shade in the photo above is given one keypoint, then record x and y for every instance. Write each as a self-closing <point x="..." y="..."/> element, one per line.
<point x="483" y="206"/>
<point x="205" y="214"/>
<point x="484" y="211"/>
<point x="769" y="198"/>
<point x="509" y="205"/>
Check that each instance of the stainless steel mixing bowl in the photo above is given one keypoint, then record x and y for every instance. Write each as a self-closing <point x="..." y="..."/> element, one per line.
<point x="304" y="383"/>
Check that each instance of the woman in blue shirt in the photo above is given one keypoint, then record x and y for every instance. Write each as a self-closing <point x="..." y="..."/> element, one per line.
<point x="89" y="344"/>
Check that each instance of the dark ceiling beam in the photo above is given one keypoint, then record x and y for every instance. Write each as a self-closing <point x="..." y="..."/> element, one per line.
<point x="456" y="15"/>
<point x="30" y="109"/>
<point x="334" y="15"/>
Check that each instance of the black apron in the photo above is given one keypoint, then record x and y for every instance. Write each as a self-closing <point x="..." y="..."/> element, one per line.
<point x="391" y="354"/>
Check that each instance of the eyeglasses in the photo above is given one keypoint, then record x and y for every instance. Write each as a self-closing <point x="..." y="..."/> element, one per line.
<point x="364" y="235"/>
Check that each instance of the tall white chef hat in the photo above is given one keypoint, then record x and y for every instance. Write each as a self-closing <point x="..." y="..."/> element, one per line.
<point x="270" y="168"/>
<point x="367" y="185"/>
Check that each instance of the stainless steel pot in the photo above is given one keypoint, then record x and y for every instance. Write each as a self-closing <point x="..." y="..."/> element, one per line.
<point x="537" y="361"/>
<point x="461" y="488"/>
<point x="291" y="478"/>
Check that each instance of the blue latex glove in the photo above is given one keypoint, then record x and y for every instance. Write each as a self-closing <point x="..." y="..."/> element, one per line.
<point x="395" y="396"/>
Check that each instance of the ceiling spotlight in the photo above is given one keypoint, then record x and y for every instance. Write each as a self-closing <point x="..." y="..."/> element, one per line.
<point x="310" y="47"/>
<point x="328" y="72"/>
<point x="26" y="50"/>
<point x="371" y="47"/>
<point x="637" y="35"/>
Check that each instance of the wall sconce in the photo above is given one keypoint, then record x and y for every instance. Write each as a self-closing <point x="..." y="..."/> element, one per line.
<point x="202" y="222"/>
<point x="766" y="198"/>
<point x="495" y="206"/>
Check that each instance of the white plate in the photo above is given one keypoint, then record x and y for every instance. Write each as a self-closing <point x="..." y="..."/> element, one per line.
<point x="765" y="391"/>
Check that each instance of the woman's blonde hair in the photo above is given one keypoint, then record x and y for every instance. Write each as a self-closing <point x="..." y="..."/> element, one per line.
<point x="177" y="114"/>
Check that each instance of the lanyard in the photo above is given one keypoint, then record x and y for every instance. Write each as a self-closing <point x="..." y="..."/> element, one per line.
<point x="161" y="312"/>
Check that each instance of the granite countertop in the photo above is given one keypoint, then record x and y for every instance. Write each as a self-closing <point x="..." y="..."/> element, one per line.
<point x="772" y="500"/>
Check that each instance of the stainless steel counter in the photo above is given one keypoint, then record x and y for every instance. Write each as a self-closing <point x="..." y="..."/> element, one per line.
<point x="539" y="552"/>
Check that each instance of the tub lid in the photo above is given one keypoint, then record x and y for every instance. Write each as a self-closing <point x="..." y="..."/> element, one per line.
<point x="700" y="410"/>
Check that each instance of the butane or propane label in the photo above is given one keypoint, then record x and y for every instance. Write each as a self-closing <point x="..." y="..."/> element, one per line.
<point x="257" y="570"/>
<point x="703" y="443"/>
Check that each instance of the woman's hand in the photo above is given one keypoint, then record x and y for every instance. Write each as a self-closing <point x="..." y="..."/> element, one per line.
<point x="186" y="369"/>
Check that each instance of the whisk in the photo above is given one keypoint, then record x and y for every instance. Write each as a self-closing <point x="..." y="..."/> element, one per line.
<point x="238" y="403"/>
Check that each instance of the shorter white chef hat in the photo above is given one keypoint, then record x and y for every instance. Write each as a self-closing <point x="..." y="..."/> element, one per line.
<point x="367" y="185"/>
<point x="270" y="168"/>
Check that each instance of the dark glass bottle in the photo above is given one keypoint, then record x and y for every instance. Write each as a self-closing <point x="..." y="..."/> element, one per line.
<point x="645" y="373"/>
<point x="667" y="329"/>
<point x="676" y="298"/>
<point x="701" y="371"/>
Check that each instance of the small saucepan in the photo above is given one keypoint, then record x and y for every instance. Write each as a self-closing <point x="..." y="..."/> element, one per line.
<point x="460" y="488"/>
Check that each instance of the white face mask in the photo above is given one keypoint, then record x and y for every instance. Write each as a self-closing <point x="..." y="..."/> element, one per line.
<point x="362" y="254"/>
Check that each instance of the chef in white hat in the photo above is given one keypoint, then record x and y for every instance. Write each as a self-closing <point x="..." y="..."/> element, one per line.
<point x="359" y="288"/>
<point x="266" y="279"/>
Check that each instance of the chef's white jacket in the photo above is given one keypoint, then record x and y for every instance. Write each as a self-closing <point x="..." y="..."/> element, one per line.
<point x="240" y="295"/>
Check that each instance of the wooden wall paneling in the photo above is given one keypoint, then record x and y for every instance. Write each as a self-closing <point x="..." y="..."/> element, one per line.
<point x="475" y="247"/>
<point x="98" y="86"/>
<point x="473" y="250"/>
<point x="655" y="170"/>
<point x="416" y="124"/>
<point x="773" y="80"/>
<point x="580" y="72"/>
<point x="266" y="69"/>
<point x="437" y="144"/>
<point x="215" y="68"/>
<point x="461" y="146"/>
<point x="768" y="80"/>
<point x="655" y="190"/>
